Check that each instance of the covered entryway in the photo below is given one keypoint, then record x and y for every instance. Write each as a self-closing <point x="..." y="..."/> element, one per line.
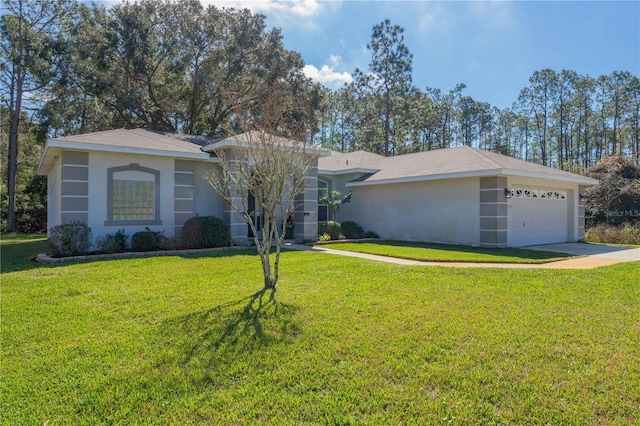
<point x="538" y="216"/>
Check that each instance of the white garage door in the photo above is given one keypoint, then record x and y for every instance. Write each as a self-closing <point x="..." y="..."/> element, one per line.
<point x="538" y="216"/>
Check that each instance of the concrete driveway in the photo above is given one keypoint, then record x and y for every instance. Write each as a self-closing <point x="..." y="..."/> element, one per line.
<point x="599" y="250"/>
<point x="595" y="255"/>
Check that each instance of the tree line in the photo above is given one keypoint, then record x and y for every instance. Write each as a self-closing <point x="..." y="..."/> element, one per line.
<point x="560" y="119"/>
<point x="68" y="68"/>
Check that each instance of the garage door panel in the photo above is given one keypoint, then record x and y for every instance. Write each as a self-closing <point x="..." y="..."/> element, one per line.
<point x="539" y="220"/>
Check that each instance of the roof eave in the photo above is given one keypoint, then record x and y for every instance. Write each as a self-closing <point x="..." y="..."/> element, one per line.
<point x="569" y="177"/>
<point x="56" y="146"/>
<point x="422" y="178"/>
<point x="346" y="171"/>
<point x="478" y="173"/>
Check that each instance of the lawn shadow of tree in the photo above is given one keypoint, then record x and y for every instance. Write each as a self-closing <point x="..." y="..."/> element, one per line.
<point x="246" y="325"/>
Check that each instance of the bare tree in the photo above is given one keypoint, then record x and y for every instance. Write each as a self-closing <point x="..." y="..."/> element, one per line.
<point x="269" y="169"/>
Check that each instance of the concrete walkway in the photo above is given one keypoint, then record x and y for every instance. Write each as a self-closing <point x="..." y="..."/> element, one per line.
<point x="596" y="255"/>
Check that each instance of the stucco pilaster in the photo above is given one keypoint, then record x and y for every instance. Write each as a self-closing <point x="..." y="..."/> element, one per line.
<point x="306" y="212"/>
<point x="581" y="215"/>
<point x="493" y="212"/>
<point x="74" y="187"/>
<point x="183" y="193"/>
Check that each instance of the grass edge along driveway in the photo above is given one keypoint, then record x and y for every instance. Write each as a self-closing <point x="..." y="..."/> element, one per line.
<point x="430" y="252"/>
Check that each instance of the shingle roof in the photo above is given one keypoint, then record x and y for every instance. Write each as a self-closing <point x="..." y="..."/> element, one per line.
<point x="141" y="139"/>
<point x="339" y="161"/>
<point x="439" y="164"/>
<point x="253" y="137"/>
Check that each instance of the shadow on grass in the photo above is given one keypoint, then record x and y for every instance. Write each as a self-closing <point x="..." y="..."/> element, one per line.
<point x="20" y="250"/>
<point x="241" y="326"/>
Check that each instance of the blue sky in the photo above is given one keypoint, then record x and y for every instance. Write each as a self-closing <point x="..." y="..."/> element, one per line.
<point x="491" y="46"/>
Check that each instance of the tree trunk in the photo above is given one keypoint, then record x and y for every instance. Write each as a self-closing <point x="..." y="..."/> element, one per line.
<point x="12" y="159"/>
<point x="386" y="123"/>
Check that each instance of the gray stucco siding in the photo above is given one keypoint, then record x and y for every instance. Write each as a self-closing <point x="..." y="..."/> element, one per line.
<point x="493" y="210"/>
<point x="75" y="172"/>
<point x="75" y="204"/>
<point x="75" y="188"/>
<point x="183" y="178"/>
<point x="75" y="157"/>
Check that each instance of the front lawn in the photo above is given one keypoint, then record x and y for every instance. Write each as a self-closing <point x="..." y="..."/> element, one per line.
<point x="184" y="340"/>
<point x="428" y="252"/>
<point x="17" y="250"/>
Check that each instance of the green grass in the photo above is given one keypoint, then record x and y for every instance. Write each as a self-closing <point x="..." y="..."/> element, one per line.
<point x="17" y="250"/>
<point x="179" y="340"/>
<point x="429" y="252"/>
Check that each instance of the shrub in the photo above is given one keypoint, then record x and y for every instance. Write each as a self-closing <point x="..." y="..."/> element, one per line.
<point x="205" y="232"/>
<point x="351" y="230"/>
<point x="331" y="228"/>
<point x="165" y="243"/>
<point x="145" y="241"/>
<point x="370" y="234"/>
<point x="617" y="198"/>
<point x="626" y="234"/>
<point x="324" y="237"/>
<point x="70" y="239"/>
<point x="113" y="243"/>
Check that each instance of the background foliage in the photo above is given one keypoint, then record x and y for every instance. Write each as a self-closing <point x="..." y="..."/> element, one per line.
<point x="180" y="67"/>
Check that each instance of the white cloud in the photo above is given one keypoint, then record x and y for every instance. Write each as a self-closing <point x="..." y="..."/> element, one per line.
<point x="335" y="60"/>
<point x="327" y="76"/>
<point x="293" y="11"/>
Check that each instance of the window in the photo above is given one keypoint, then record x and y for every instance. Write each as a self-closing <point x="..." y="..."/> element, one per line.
<point x="133" y="196"/>
<point x="541" y="194"/>
<point x="323" y="209"/>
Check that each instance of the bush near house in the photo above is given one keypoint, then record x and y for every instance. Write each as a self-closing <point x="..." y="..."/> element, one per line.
<point x="113" y="243"/>
<point x="70" y="239"/>
<point x="143" y="241"/>
<point x="205" y="232"/>
<point x="628" y="233"/>
<point x="332" y="228"/>
<point x="149" y="240"/>
<point x="616" y="200"/>
<point x="347" y="230"/>
<point x="324" y="237"/>
<point x="351" y="230"/>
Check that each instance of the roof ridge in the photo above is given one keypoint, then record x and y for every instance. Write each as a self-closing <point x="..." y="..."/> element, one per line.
<point x="85" y="134"/>
<point x="482" y="152"/>
<point x="163" y="137"/>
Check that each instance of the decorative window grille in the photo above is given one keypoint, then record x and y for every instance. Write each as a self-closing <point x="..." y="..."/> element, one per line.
<point x="541" y="194"/>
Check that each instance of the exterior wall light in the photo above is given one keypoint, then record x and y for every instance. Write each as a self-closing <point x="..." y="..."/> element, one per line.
<point x="583" y="197"/>
<point x="508" y="193"/>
